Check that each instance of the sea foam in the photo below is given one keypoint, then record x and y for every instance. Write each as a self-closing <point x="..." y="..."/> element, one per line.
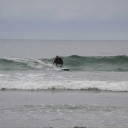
<point x="52" y="81"/>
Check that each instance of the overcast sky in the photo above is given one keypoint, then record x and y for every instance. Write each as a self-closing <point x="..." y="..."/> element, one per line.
<point x="64" y="19"/>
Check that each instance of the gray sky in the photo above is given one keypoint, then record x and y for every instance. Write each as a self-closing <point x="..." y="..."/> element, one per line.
<point x="64" y="19"/>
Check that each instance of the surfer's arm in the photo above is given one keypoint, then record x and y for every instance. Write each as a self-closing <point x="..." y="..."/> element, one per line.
<point x="55" y="61"/>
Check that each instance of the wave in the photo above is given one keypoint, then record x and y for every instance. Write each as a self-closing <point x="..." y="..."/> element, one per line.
<point x="22" y="64"/>
<point x="33" y="82"/>
<point x="98" y="63"/>
<point x="74" y="62"/>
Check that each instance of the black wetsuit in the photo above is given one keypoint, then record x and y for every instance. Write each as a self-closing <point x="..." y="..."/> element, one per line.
<point x="58" y="61"/>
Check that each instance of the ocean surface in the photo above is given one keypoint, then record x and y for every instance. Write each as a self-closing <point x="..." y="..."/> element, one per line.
<point x="35" y="93"/>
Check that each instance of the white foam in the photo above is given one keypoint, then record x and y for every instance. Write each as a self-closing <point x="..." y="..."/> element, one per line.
<point x="33" y="63"/>
<point x="42" y="81"/>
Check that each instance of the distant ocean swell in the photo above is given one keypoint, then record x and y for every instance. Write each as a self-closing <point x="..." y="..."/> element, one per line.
<point x="74" y="62"/>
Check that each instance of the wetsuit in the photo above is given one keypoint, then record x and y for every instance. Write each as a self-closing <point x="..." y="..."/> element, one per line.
<point x="58" y="61"/>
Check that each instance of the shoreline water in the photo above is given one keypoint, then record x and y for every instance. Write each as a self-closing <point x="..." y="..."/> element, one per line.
<point x="59" y="108"/>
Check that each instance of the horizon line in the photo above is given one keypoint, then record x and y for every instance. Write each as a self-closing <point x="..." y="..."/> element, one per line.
<point x="70" y="39"/>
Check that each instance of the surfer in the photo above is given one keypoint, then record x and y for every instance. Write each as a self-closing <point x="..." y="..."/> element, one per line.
<point x="59" y="61"/>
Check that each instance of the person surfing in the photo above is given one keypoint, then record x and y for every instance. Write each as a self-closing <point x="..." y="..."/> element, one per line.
<point x="58" y="61"/>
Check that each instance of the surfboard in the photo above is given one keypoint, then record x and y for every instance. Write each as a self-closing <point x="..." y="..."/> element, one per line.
<point x="65" y="69"/>
<point x="62" y="69"/>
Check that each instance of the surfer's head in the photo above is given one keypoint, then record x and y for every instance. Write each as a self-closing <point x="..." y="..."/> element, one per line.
<point x="57" y="56"/>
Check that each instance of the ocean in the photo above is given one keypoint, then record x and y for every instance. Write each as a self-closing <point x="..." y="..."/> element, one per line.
<point x="34" y="93"/>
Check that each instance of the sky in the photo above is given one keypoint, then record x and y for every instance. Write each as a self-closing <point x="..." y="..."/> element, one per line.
<point x="64" y="19"/>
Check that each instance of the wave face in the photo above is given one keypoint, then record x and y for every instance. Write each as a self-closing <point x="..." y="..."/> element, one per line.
<point x="108" y="63"/>
<point x="21" y="64"/>
<point x="74" y="62"/>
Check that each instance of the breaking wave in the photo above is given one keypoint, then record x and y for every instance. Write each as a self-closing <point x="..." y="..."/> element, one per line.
<point x="74" y="62"/>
